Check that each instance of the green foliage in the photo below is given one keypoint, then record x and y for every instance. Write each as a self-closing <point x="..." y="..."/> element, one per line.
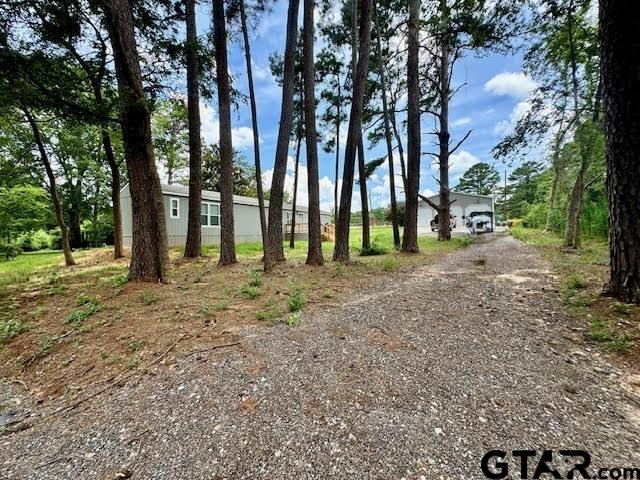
<point x="9" y="328"/>
<point x="600" y="331"/>
<point x="480" y="179"/>
<point x="293" y="319"/>
<point x="9" y="251"/>
<point x="296" y="297"/>
<point x="374" y="249"/>
<point x="147" y="297"/>
<point x="243" y="173"/>
<point x="270" y="313"/>
<point x="34" y="241"/>
<point x="249" y="291"/>
<point x="89" y="306"/>
<point x="22" y="208"/>
<point x="100" y="232"/>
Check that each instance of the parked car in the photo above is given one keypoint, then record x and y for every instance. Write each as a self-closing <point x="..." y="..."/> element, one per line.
<point x="453" y="223"/>
<point x="480" y="222"/>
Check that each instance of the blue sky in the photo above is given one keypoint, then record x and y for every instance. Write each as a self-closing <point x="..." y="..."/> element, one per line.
<point x="494" y="97"/>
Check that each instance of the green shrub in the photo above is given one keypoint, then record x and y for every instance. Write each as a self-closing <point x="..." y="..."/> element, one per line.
<point x="34" y="241"/>
<point x="270" y="314"/>
<point x="9" y="251"/>
<point x="90" y="305"/>
<point x="293" y="320"/>
<point x="55" y="239"/>
<point x="256" y="278"/>
<point x="296" y="298"/>
<point x="374" y="249"/>
<point x="9" y="328"/>
<point x="250" y="291"/>
<point x="148" y="297"/>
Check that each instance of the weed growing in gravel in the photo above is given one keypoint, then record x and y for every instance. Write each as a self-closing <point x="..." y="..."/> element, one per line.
<point x="293" y="320"/>
<point x="9" y="328"/>
<point x="148" y="297"/>
<point x="296" y="297"/>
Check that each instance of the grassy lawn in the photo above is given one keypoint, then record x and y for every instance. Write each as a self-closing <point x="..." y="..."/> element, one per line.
<point x="61" y="326"/>
<point x="613" y="324"/>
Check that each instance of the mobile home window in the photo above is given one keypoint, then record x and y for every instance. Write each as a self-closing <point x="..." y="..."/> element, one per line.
<point x="174" y="207"/>
<point x="210" y="214"/>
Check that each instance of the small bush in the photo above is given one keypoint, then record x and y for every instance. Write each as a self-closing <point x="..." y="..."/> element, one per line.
<point x="293" y="320"/>
<point x="148" y="297"/>
<point x="576" y="283"/>
<point x="9" y="251"/>
<point x="9" y="328"/>
<point x="256" y="278"/>
<point x="374" y="249"/>
<point x="296" y="298"/>
<point x="250" y="292"/>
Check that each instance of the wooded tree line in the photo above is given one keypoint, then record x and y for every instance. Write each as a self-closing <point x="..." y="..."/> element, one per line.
<point x="384" y="66"/>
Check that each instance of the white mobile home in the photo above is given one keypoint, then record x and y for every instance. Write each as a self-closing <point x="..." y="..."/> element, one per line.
<point x="246" y="216"/>
<point x="464" y="204"/>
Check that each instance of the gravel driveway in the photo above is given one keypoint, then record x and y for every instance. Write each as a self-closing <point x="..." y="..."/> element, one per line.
<point x="415" y="378"/>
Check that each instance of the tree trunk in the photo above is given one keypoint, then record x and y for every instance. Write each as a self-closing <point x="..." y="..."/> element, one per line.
<point x="341" y="249"/>
<point x="335" y="186"/>
<point x="362" y="180"/>
<point x="314" y="252"/>
<point x="194" y="229"/>
<point x="444" y="222"/>
<point x="53" y="191"/>
<point x="292" y="243"/>
<point x="620" y="60"/>
<point x="396" y="134"/>
<point x="410" y="234"/>
<point x="276" y="252"/>
<point x="149" y="257"/>
<point x="118" y="248"/>
<point x="387" y="136"/>
<point x="256" y="137"/>
<point x="227" y="233"/>
<point x="555" y="163"/>
<point x="74" y="207"/>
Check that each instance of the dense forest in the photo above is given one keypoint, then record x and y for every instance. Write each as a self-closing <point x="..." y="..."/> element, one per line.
<point x="98" y="94"/>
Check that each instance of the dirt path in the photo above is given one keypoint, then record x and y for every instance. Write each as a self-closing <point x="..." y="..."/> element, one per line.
<point x="416" y="378"/>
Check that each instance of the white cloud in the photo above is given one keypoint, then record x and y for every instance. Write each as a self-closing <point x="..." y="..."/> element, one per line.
<point x="242" y="137"/>
<point x="427" y="192"/>
<point x="459" y="163"/>
<point x="504" y="127"/>
<point x="513" y="84"/>
<point x="461" y="121"/>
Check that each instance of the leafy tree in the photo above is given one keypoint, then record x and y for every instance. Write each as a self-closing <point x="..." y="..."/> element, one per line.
<point x="22" y="208"/>
<point x="170" y="132"/>
<point x="243" y="175"/>
<point x="524" y="187"/>
<point x="480" y="179"/>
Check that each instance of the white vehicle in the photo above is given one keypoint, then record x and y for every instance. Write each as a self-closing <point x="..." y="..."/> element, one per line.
<point x="480" y="222"/>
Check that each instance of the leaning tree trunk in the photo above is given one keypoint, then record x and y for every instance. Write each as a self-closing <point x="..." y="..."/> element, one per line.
<point x="314" y="252"/>
<point x="410" y="234"/>
<point x="387" y="136"/>
<point x="118" y="248"/>
<point x="194" y="229"/>
<point x="341" y="249"/>
<point x="286" y="116"/>
<point x="53" y="190"/>
<point x="149" y="257"/>
<point x="227" y="233"/>
<point x="620" y="60"/>
<point x="362" y="181"/>
<point x="256" y="137"/>
<point x="292" y="236"/>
